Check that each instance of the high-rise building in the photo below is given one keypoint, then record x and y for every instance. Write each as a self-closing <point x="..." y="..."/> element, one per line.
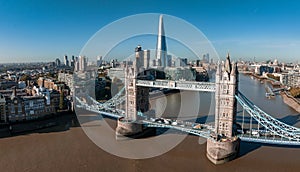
<point x="205" y="58"/>
<point x="82" y="63"/>
<point x="139" y="54"/>
<point x="180" y="62"/>
<point x="161" y="46"/>
<point x="198" y="63"/>
<point x="146" y="59"/>
<point x="57" y="62"/>
<point x="169" y="60"/>
<point x="113" y="63"/>
<point x="99" y="60"/>
<point x="66" y="61"/>
<point x="72" y="63"/>
<point x="76" y="66"/>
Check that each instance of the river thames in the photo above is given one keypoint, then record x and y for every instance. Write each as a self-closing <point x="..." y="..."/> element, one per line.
<point x="69" y="149"/>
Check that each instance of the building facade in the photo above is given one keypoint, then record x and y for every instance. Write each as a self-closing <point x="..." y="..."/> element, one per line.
<point x="20" y="106"/>
<point x="291" y="79"/>
<point x="226" y="87"/>
<point x="3" y="118"/>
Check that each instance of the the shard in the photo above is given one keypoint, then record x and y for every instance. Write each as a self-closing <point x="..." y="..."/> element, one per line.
<point x="161" y="46"/>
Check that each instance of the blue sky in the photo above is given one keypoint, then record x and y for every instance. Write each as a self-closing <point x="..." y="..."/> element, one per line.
<point x="35" y="30"/>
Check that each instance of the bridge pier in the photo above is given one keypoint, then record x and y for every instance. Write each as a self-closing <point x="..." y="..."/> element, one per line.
<point x="132" y="129"/>
<point x="221" y="151"/>
<point x="127" y="127"/>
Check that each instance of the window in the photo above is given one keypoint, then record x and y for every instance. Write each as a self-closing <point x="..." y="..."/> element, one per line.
<point x="30" y="103"/>
<point x="12" y="108"/>
<point x="19" y="107"/>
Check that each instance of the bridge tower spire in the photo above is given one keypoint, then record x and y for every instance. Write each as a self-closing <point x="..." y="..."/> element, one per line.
<point x="223" y="144"/>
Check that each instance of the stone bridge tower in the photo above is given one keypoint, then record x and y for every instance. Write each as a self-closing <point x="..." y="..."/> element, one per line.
<point x="137" y="98"/>
<point x="223" y="144"/>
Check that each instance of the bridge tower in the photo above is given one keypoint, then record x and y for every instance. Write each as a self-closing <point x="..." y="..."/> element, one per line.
<point x="137" y="98"/>
<point x="223" y="145"/>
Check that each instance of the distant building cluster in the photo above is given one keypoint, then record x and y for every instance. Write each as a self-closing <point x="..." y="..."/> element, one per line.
<point x="163" y="65"/>
<point x="286" y="74"/>
<point x="31" y="94"/>
<point x="75" y="63"/>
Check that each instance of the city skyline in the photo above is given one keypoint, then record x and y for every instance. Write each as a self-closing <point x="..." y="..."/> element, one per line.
<point x="42" y="31"/>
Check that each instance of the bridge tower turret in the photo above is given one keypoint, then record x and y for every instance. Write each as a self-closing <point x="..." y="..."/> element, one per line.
<point x="223" y="144"/>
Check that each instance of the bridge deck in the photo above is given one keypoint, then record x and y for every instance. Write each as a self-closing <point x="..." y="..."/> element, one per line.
<point x="182" y="85"/>
<point x="281" y="133"/>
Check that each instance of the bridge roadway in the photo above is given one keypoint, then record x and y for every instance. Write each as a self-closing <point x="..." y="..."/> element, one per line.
<point x="181" y="85"/>
<point x="181" y="126"/>
<point x="278" y="132"/>
<point x="204" y="131"/>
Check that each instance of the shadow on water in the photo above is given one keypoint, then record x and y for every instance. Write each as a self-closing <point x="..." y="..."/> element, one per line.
<point x="57" y="123"/>
<point x="291" y="119"/>
<point x="247" y="147"/>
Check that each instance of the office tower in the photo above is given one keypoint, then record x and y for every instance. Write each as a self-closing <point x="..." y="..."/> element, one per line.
<point x="161" y="46"/>
<point x="66" y="61"/>
<point x="99" y="60"/>
<point x="169" y="60"/>
<point x="82" y="63"/>
<point x="139" y="54"/>
<point x="57" y="62"/>
<point x="146" y="59"/>
<point x="203" y="58"/>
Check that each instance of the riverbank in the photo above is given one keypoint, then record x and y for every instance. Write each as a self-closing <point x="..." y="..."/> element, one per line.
<point x="287" y="99"/>
<point x="60" y="121"/>
<point x="290" y="101"/>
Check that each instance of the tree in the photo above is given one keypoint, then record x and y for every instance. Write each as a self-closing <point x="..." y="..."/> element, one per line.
<point x="295" y="92"/>
<point x="25" y="77"/>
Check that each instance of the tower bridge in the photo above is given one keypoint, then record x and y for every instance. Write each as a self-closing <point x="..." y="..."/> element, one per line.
<point x="223" y="139"/>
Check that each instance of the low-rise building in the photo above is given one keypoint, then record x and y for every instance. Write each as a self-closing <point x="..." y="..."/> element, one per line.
<point x="20" y="107"/>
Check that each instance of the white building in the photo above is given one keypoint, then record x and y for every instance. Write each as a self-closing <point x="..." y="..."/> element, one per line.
<point x="291" y="79"/>
<point x="82" y="63"/>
